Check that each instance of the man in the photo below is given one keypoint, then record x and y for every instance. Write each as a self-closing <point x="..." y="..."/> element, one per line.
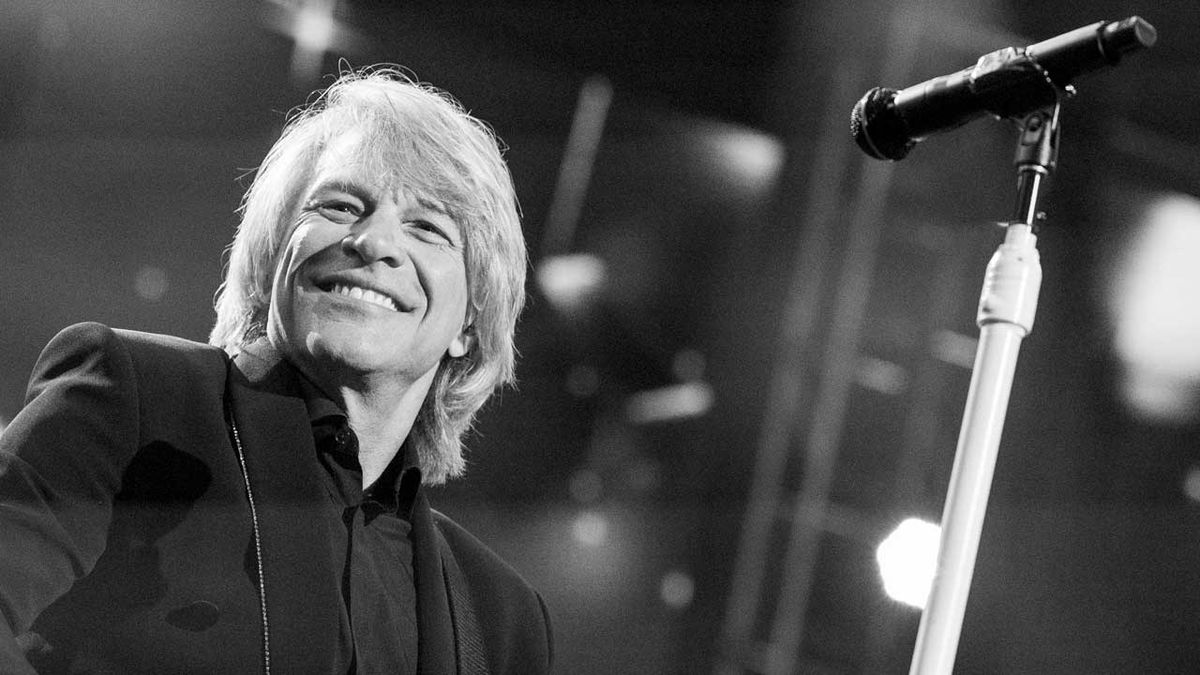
<point x="167" y="506"/>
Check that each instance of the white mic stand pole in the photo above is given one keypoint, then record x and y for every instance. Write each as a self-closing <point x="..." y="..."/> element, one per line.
<point x="1006" y="310"/>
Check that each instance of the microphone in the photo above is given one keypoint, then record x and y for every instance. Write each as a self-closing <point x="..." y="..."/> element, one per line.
<point x="1010" y="82"/>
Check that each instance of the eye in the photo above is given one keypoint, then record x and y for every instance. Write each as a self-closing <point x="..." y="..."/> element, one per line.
<point x="431" y="232"/>
<point x="339" y="210"/>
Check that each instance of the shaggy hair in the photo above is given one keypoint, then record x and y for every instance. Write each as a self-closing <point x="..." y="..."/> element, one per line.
<point x="422" y="139"/>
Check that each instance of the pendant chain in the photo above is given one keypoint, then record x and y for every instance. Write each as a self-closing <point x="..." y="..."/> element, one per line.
<point x="258" y="555"/>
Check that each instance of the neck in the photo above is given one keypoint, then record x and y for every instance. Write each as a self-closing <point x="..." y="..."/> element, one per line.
<point x="381" y="410"/>
<point x="382" y="417"/>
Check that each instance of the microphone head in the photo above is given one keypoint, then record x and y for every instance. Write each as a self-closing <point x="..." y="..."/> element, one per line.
<point x="1129" y="35"/>
<point x="877" y="128"/>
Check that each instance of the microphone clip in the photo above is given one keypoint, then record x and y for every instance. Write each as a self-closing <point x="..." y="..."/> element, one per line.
<point x="1011" y="84"/>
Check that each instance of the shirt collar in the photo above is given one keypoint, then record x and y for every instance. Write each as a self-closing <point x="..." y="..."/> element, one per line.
<point x="397" y="487"/>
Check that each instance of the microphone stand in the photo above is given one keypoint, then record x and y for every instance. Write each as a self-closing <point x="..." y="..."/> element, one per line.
<point x="1007" y="306"/>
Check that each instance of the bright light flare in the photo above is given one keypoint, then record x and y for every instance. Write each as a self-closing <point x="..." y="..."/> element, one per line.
<point x="314" y="27"/>
<point x="671" y="403"/>
<point x="749" y="161"/>
<point x="908" y="561"/>
<point x="151" y="283"/>
<point x="572" y="282"/>
<point x="590" y="529"/>
<point x="677" y="589"/>
<point x="1157" y="314"/>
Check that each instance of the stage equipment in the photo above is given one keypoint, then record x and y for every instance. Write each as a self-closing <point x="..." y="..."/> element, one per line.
<point x="1007" y="83"/>
<point x="1028" y="86"/>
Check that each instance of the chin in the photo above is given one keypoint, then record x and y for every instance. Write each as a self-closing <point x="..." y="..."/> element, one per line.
<point x="349" y="348"/>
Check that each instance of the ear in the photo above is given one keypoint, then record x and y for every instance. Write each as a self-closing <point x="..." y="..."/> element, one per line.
<point x="462" y="343"/>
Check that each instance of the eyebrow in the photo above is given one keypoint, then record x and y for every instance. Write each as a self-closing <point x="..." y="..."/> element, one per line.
<point x="355" y="188"/>
<point x="341" y="185"/>
<point x="431" y="204"/>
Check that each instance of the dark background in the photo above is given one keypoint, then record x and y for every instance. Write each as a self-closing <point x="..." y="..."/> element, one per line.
<point x="825" y="300"/>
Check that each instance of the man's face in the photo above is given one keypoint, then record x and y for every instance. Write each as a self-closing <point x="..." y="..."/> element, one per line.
<point x="371" y="282"/>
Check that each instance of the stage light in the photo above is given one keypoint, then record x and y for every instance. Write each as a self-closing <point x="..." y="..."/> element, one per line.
<point x="882" y="376"/>
<point x="671" y="403"/>
<point x="677" y="589"/>
<point x="313" y="28"/>
<point x="151" y="283"/>
<point x="571" y="282"/>
<point x="907" y="561"/>
<point x="748" y="161"/>
<point x="590" y="529"/>
<point x="954" y="348"/>
<point x="1191" y="483"/>
<point x="1157" y="316"/>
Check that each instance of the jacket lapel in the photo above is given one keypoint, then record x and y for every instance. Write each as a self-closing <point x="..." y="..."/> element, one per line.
<point x="301" y="595"/>
<point x="436" y="648"/>
<point x="472" y="657"/>
<point x="450" y="638"/>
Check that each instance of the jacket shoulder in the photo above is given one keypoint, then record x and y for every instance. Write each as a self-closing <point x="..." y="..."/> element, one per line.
<point x="176" y="353"/>
<point x="177" y="375"/>
<point x="72" y="342"/>
<point x="514" y="617"/>
<point x="165" y="374"/>
<point x="469" y="551"/>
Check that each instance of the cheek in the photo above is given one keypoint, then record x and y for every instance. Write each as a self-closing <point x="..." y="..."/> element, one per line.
<point x="283" y="279"/>
<point x="304" y="242"/>
<point x="443" y="277"/>
<point x="454" y="283"/>
<point x="284" y="270"/>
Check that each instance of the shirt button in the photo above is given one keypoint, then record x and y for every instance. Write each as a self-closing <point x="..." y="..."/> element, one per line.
<point x="342" y="437"/>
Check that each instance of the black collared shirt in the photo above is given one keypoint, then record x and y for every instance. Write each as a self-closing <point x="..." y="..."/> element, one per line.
<point x="371" y="545"/>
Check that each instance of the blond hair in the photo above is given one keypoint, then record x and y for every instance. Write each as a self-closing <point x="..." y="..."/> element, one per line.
<point x="422" y="139"/>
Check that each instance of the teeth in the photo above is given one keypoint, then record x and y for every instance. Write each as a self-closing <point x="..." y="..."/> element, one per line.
<point x="366" y="295"/>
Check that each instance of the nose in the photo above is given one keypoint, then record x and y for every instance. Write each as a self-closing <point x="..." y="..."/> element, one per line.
<point x="373" y="240"/>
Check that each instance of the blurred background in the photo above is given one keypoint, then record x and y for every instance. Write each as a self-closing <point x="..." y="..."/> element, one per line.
<point x="748" y="346"/>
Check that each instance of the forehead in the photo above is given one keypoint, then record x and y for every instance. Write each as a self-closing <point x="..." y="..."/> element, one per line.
<point x="352" y="160"/>
<point x="342" y="150"/>
<point x="347" y="158"/>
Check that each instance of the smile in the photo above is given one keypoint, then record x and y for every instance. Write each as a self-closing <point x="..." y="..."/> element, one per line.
<point x="364" y="294"/>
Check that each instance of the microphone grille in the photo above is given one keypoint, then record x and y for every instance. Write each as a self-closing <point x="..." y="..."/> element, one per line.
<point x="876" y="127"/>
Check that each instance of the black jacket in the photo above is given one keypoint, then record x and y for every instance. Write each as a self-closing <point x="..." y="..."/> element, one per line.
<point x="129" y="542"/>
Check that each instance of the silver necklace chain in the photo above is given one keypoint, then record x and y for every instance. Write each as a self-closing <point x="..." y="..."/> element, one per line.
<point x="258" y="556"/>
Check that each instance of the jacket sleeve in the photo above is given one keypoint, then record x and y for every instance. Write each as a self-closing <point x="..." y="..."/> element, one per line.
<point x="61" y="461"/>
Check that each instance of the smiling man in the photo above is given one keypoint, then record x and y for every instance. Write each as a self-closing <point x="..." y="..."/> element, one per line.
<point x="370" y="295"/>
<point x="257" y="505"/>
